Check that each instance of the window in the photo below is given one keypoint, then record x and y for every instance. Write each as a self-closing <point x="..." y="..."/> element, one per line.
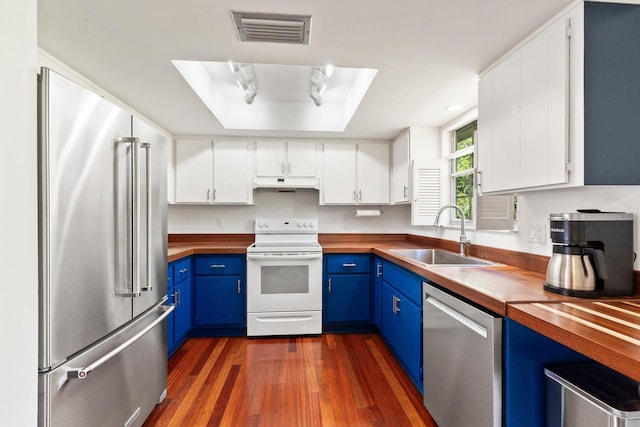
<point x="462" y="169"/>
<point x="495" y="212"/>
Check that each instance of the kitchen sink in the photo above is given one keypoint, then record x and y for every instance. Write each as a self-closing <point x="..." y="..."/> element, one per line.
<point x="439" y="257"/>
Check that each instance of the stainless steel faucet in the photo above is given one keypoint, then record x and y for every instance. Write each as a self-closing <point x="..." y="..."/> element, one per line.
<point x="463" y="236"/>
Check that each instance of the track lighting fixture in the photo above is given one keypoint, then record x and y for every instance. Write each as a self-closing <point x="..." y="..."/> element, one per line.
<point x="246" y="80"/>
<point x="317" y="82"/>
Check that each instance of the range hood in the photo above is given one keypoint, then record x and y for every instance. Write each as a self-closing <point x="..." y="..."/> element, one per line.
<point x="286" y="183"/>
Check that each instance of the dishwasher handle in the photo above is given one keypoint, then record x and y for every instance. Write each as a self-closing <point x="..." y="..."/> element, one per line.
<point x="469" y="323"/>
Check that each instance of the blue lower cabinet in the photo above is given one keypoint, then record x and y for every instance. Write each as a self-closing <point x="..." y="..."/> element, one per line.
<point x="402" y="330"/>
<point x="179" y="294"/>
<point x="183" y="312"/>
<point x="171" y="317"/>
<point x="220" y="295"/>
<point x="400" y="320"/>
<point x="220" y="301"/>
<point x="346" y="293"/>
<point x="348" y="298"/>
<point x="526" y="353"/>
<point x="376" y="298"/>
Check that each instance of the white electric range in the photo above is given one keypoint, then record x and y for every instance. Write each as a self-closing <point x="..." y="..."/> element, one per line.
<point x="284" y="278"/>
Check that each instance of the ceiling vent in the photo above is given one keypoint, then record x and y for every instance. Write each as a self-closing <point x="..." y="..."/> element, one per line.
<point x="272" y="27"/>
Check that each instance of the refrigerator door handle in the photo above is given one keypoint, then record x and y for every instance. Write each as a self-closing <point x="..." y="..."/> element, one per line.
<point x="147" y="147"/>
<point x="81" y="373"/>
<point x="134" y="166"/>
<point x="138" y="225"/>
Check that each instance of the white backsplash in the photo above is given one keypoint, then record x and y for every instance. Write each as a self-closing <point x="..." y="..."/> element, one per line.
<point x="533" y="209"/>
<point x="193" y="219"/>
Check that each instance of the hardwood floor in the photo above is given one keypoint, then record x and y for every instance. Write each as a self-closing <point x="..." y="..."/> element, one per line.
<point x="331" y="380"/>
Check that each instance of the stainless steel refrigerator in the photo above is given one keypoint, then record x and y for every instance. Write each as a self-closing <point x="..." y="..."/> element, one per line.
<point x="103" y="259"/>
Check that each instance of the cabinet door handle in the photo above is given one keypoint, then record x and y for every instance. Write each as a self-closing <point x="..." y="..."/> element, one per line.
<point x="329" y="285"/>
<point x="379" y="269"/>
<point x="177" y="298"/>
<point x="208" y="194"/>
<point x="396" y="307"/>
<point x="360" y="195"/>
<point x="239" y="287"/>
<point x="355" y="196"/>
<point x="217" y="265"/>
<point x="349" y="264"/>
<point x="184" y="270"/>
<point x="406" y="196"/>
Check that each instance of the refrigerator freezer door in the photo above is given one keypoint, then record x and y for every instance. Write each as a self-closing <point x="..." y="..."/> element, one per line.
<point x="150" y="241"/>
<point x="80" y="300"/>
<point x="121" y="391"/>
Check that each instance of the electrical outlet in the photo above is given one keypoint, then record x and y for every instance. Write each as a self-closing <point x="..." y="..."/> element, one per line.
<point x="220" y="222"/>
<point x="537" y="233"/>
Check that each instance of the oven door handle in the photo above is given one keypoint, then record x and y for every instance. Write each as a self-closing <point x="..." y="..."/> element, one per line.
<point x="282" y="257"/>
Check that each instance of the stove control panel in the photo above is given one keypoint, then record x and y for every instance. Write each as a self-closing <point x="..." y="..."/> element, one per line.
<point x="286" y="226"/>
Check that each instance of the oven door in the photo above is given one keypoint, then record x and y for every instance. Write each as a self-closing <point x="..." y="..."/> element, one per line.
<point x="284" y="294"/>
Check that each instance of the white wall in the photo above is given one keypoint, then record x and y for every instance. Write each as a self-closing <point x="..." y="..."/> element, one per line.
<point x="534" y="208"/>
<point x="271" y="204"/>
<point x="18" y="214"/>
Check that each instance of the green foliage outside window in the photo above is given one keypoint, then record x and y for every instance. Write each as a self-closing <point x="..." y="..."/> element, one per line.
<point x="464" y="163"/>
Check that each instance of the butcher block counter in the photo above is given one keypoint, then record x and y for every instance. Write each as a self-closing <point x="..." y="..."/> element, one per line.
<point x="183" y="245"/>
<point x="606" y="330"/>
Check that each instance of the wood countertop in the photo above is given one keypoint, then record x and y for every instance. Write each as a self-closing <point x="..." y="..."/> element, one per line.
<point x="606" y="330"/>
<point x="183" y="245"/>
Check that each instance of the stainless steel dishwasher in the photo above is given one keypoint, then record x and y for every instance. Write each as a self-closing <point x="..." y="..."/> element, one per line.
<point x="462" y="351"/>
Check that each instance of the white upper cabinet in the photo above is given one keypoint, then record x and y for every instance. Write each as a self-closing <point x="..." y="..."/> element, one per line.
<point x="522" y="117"/>
<point x="212" y="172"/>
<point x="285" y="159"/>
<point x="575" y="104"/>
<point x="372" y="166"/>
<point x="339" y="174"/>
<point x="231" y="176"/>
<point x="270" y="158"/>
<point x="415" y="144"/>
<point x="355" y="173"/>
<point x="400" y="170"/>
<point x="194" y="171"/>
<point x="301" y="159"/>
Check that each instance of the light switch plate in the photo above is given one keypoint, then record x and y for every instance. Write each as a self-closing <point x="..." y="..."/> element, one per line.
<point x="537" y="233"/>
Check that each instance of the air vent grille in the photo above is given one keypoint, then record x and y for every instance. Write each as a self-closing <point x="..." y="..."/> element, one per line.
<point x="273" y="28"/>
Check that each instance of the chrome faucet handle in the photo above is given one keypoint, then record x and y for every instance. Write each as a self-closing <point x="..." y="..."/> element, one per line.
<point x="464" y="242"/>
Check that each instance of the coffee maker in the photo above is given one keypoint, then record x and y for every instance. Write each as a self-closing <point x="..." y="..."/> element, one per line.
<point x="592" y="254"/>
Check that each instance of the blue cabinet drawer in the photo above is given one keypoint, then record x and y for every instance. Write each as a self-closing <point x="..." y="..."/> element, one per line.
<point x="408" y="283"/>
<point x="348" y="263"/>
<point x="181" y="270"/>
<point x="219" y="264"/>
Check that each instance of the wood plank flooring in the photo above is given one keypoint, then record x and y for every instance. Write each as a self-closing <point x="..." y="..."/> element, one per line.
<point x="330" y="380"/>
